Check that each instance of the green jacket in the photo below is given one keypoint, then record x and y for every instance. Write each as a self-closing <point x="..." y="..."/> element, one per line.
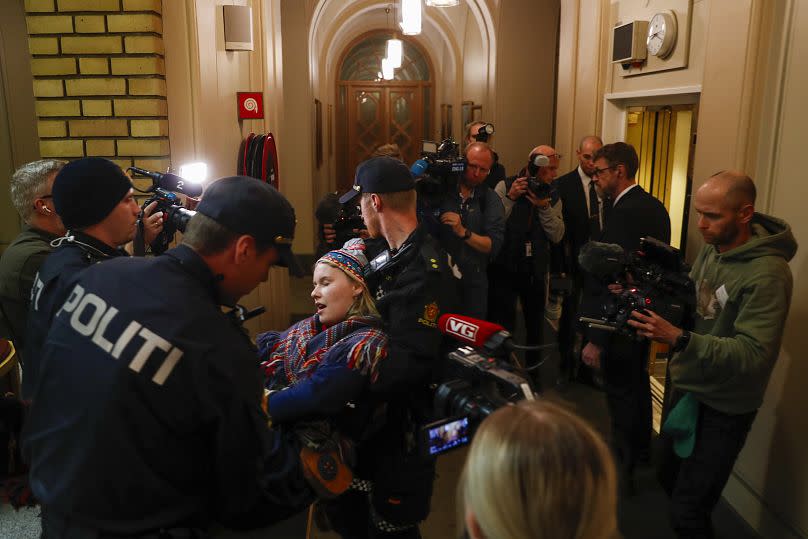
<point x="743" y="296"/>
<point x="18" y="267"/>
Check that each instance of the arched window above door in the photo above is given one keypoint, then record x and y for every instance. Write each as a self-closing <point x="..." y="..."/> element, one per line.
<point x="364" y="61"/>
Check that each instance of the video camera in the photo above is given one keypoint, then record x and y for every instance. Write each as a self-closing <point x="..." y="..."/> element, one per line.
<point x="437" y="171"/>
<point x="480" y="378"/>
<point x="175" y="217"/>
<point x="344" y="218"/>
<point x="660" y="283"/>
<point x="537" y="186"/>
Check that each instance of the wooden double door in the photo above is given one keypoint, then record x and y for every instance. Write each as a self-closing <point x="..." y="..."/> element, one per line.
<point x="377" y="113"/>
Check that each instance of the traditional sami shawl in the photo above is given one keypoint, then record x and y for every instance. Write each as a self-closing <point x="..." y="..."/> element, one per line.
<point x="293" y="355"/>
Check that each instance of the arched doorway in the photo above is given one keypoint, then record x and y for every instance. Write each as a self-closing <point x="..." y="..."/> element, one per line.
<point x="372" y="111"/>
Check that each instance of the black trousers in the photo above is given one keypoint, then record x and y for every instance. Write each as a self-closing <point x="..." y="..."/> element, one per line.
<point x="628" y="393"/>
<point x="569" y="330"/>
<point x="349" y="516"/>
<point x="695" y="483"/>
<point x="504" y="289"/>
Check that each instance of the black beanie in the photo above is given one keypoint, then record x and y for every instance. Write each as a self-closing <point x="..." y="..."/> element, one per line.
<point x="85" y="191"/>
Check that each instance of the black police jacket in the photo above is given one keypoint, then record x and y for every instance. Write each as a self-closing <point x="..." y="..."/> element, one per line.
<point x="147" y="414"/>
<point x="410" y="297"/>
<point x="55" y="278"/>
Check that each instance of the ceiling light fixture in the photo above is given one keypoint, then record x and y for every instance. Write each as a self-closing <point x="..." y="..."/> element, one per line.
<point x="394" y="48"/>
<point x="442" y="3"/>
<point x="410" y="17"/>
<point x="387" y="69"/>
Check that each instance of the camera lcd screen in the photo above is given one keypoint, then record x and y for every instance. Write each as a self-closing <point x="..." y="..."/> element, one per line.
<point x="429" y="147"/>
<point x="443" y="436"/>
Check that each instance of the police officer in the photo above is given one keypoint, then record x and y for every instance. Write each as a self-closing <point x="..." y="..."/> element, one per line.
<point x="96" y="203"/>
<point x="412" y="286"/>
<point x="147" y="420"/>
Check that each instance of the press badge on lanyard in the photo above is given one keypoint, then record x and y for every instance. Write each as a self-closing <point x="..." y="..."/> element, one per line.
<point x="528" y="249"/>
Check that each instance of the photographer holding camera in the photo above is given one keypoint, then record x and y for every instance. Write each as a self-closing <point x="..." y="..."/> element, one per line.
<point x="96" y="203"/>
<point x="147" y="419"/>
<point x="534" y="221"/>
<point x="473" y="227"/>
<point x="412" y="285"/>
<point x="720" y="370"/>
<point x="624" y="361"/>
<point x="483" y="132"/>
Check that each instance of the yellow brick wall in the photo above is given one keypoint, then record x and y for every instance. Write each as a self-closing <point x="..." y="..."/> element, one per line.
<point x="99" y="79"/>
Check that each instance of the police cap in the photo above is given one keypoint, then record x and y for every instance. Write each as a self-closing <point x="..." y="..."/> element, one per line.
<point x="249" y="206"/>
<point x="380" y="175"/>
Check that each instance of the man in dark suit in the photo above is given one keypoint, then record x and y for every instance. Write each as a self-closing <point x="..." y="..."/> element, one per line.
<point x="583" y="220"/>
<point x="634" y="215"/>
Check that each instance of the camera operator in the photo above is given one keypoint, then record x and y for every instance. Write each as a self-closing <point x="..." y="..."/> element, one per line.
<point x="479" y="132"/>
<point x="584" y="218"/>
<point x="720" y="370"/>
<point x="412" y="289"/>
<point x="634" y="214"/>
<point x="95" y="201"/>
<point x="147" y="419"/>
<point x="328" y="210"/>
<point x="31" y="187"/>
<point x="473" y="228"/>
<point x="532" y="225"/>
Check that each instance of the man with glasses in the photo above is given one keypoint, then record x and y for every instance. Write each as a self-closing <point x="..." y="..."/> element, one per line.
<point x="583" y="210"/>
<point x="479" y="132"/>
<point x="473" y="228"/>
<point x="634" y="214"/>
<point x="31" y="186"/>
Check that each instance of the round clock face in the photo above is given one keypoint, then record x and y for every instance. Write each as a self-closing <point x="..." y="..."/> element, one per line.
<point x="661" y="34"/>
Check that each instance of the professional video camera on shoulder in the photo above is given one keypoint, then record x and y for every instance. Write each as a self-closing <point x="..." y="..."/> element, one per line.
<point x="480" y="378"/>
<point x="437" y="171"/>
<point x="164" y="191"/>
<point x="655" y="277"/>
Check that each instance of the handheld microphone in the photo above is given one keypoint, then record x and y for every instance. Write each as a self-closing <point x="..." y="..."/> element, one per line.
<point x="419" y="168"/>
<point x="481" y="334"/>
<point x="602" y="259"/>
<point x="170" y="182"/>
<point x="469" y="330"/>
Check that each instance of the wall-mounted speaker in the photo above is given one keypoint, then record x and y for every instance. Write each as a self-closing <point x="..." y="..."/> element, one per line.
<point x="238" y="28"/>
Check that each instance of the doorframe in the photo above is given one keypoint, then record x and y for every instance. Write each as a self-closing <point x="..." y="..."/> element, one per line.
<point x="340" y="112"/>
<point x="18" y="119"/>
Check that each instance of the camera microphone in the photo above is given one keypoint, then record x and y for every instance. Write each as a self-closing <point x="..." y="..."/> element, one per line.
<point x="419" y="168"/>
<point x="171" y="182"/>
<point x="602" y="259"/>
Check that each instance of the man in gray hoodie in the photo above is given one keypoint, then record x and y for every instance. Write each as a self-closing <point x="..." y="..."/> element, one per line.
<point x="720" y="369"/>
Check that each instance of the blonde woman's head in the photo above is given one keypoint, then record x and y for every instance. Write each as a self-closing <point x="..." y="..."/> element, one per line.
<point x="340" y="291"/>
<point x="537" y="470"/>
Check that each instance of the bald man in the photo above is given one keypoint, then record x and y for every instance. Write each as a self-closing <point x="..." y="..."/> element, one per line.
<point x="532" y="225"/>
<point x="720" y="369"/>
<point x="475" y="132"/>
<point x="584" y="218"/>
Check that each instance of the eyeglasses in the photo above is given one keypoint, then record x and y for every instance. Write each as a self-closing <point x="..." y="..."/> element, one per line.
<point x="478" y="169"/>
<point x="599" y="171"/>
